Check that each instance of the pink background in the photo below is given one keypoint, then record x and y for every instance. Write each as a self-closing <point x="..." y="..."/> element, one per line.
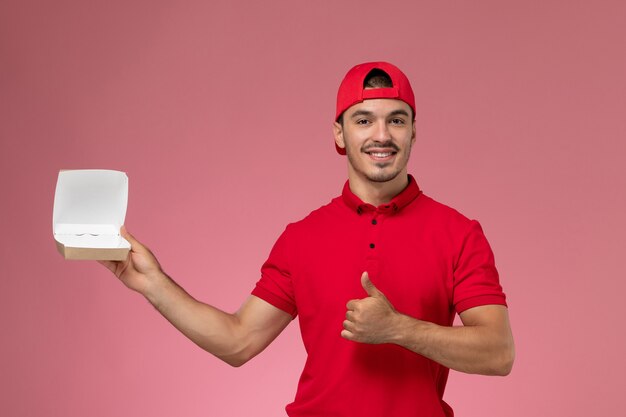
<point x="220" y="112"/>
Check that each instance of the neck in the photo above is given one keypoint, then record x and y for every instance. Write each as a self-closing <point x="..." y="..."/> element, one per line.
<point x="377" y="193"/>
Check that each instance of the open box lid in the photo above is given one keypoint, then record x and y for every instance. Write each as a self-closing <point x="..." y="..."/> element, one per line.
<point x="89" y="209"/>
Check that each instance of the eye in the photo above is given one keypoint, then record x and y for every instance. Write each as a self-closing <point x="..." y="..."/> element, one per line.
<point x="362" y="121"/>
<point x="397" y="121"/>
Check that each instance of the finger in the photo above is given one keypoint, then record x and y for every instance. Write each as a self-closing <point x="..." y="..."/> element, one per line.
<point x="352" y="304"/>
<point x="126" y="235"/>
<point x="368" y="286"/>
<point x="135" y="245"/>
<point x="350" y="315"/>
<point x="347" y="334"/>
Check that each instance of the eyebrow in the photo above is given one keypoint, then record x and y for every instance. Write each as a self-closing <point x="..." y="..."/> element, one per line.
<point x="369" y="113"/>
<point x="361" y="113"/>
<point x="399" y="112"/>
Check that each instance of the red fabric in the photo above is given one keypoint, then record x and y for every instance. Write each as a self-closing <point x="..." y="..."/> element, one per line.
<point x="430" y="262"/>
<point x="351" y="89"/>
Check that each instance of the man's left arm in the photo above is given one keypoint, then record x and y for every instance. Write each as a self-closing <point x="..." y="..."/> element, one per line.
<point x="483" y="345"/>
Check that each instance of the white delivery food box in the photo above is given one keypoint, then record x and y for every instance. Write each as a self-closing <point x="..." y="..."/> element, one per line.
<point x="89" y="209"/>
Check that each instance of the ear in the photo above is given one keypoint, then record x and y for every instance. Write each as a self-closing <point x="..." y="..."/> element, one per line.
<point x="413" y="134"/>
<point x="338" y="132"/>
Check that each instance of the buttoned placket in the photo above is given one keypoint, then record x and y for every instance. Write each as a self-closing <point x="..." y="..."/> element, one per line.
<point x="375" y="219"/>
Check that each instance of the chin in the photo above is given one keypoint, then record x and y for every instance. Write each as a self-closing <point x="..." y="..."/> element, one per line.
<point x="382" y="176"/>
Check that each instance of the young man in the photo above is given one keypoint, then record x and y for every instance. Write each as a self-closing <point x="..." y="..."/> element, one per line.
<point x="375" y="277"/>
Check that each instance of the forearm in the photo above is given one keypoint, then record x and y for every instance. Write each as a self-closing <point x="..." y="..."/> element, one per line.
<point x="215" y="331"/>
<point x="476" y="349"/>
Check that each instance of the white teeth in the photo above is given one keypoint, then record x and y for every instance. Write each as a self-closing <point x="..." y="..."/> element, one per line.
<point x="381" y="154"/>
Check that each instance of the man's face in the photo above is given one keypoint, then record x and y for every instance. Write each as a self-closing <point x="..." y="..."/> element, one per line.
<point x="377" y="135"/>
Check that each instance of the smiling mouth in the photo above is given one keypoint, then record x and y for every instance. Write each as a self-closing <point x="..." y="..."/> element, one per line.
<point x="381" y="154"/>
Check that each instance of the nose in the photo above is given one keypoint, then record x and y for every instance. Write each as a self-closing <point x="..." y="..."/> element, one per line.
<point x="381" y="134"/>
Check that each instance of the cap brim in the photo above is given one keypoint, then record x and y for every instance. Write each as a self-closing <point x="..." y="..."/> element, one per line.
<point x="340" y="151"/>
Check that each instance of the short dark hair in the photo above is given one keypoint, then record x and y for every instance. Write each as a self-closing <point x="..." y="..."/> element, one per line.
<point x="376" y="78"/>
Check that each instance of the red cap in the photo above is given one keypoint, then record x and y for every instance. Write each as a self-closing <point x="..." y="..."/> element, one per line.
<point x="351" y="91"/>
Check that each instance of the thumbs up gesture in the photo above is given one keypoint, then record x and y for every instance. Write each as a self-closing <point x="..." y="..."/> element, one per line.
<point x="370" y="319"/>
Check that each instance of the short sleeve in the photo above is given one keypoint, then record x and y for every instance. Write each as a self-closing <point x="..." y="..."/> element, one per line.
<point x="275" y="285"/>
<point x="476" y="280"/>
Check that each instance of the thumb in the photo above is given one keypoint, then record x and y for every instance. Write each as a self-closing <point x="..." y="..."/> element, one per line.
<point x="146" y="258"/>
<point x="369" y="287"/>
<point x="134" y="243"/>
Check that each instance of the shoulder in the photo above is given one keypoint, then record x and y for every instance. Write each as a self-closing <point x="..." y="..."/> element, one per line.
<point x="332" y="209"/>
<point x="434" y="211"/>
<point x="321" y="217"/>
<point x="449" y="228"/>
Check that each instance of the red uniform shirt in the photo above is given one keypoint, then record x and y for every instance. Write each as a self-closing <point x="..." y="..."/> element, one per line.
<point x="429" y="260"/>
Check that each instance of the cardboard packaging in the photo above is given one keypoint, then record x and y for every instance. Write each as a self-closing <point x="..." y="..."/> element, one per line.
<point x="89" y="209"/>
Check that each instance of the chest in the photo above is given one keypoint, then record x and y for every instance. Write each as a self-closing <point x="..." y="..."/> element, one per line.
<point x="409" y="261"/>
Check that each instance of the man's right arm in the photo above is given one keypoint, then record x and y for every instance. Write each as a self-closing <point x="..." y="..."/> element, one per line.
<point x="234" y="338"/>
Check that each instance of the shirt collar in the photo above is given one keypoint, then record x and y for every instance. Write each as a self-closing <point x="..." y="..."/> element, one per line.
<point x="396" y="204"/>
